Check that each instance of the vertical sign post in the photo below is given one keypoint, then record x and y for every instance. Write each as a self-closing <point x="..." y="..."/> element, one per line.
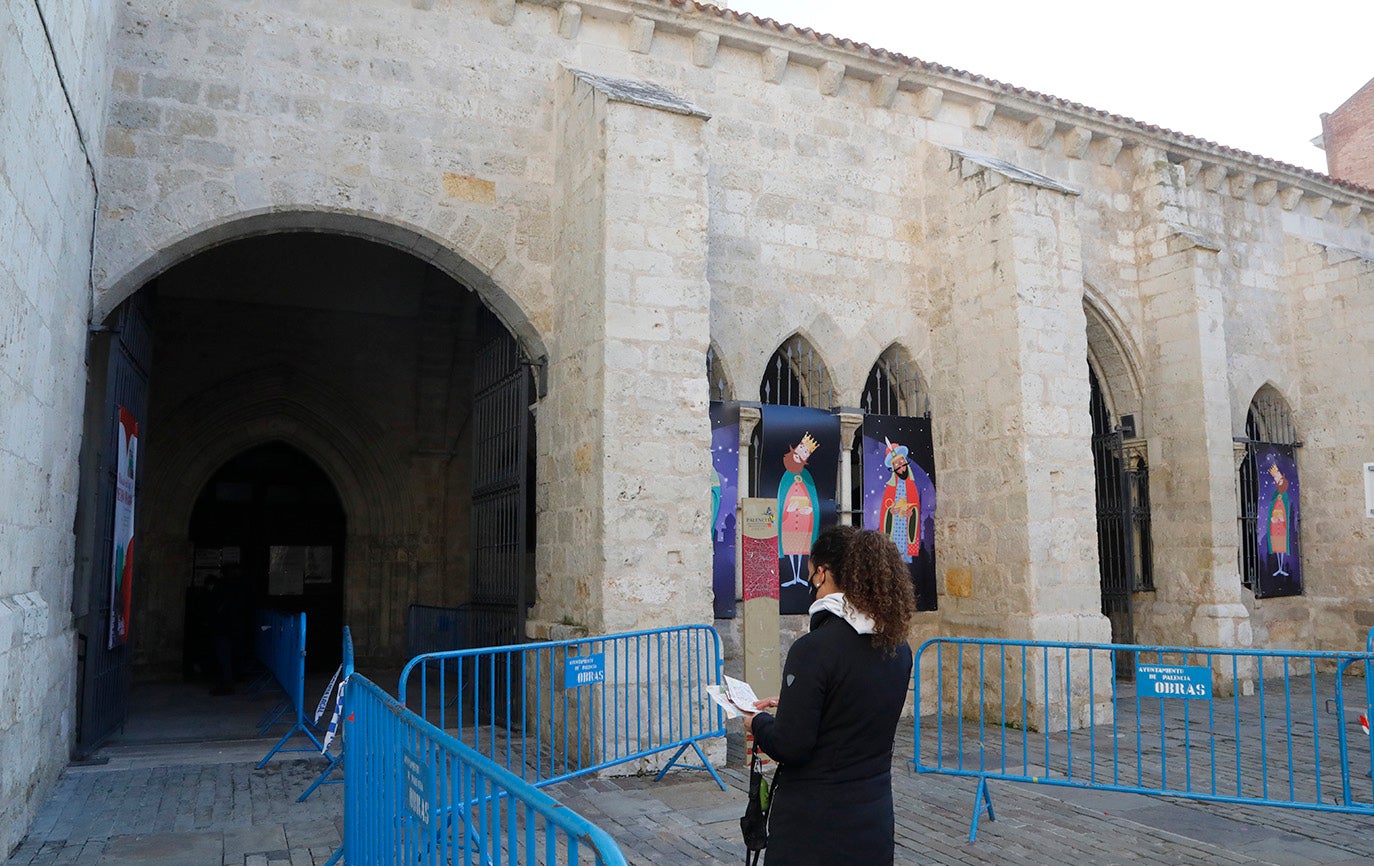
<point x="759" y="559"/>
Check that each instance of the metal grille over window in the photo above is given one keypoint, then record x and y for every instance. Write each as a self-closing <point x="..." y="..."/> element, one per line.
<point x="894" y="387"/>
<point x="796" y="376"/>
<point x="1138" y="492"/>
<point x="1124" y="549"/>
<point x="715" y="377"/>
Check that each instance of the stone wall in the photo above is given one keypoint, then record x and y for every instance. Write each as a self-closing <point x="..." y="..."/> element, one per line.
<point x="625" y="182"/>
<point x="816" y="161"/>
<point x="54" y="97"/>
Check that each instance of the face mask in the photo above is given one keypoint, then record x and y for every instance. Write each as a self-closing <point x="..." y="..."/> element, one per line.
<point x="812" y="589"/>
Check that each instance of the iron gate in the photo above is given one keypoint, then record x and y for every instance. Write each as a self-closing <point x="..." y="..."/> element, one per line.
<point x="103" y="673"/>
<point x="499" y="495"/>
<point x="1115" y="527"/>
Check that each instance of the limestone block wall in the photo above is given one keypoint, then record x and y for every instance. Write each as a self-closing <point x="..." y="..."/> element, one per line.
<point x="1333" y="345"/>
<point x="424" y="126"/>
<point x="230" y="120"/>
<point x="1020" y="530"/>
<point x="628" y="384"/>
<point x="572" y="446"/>
<point x="53" y="107"/>
<point x="657" y="545"/>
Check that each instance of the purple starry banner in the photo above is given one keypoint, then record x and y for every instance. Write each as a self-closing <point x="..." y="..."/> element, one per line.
<point x="1278" y="515"/>
<point x="724" y="498"/>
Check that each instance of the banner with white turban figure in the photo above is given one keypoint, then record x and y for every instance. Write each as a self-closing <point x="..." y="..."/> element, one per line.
<point x="899" y="493"/>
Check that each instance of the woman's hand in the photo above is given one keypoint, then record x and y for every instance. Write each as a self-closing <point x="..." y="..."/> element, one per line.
<point x="760" y="705"/>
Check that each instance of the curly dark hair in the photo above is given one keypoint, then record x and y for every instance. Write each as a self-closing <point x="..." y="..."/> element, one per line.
<point x="869" y="570"/>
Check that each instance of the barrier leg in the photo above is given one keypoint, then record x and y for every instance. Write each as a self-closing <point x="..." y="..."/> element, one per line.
<point x="323" y="778"/>
<point x="334" y="858"/>
<point x="273" y="716"/>
<point x="981" y="800"/>
<point x="705" y="764"/>
<point x="288" y="735"/>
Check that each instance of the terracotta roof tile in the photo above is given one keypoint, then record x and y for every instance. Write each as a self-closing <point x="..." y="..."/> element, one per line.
<point x="1012" y="90"/>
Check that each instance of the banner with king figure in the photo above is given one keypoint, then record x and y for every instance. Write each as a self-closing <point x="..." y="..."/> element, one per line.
<point x="799" y="464"/>
<point x="724" y="496"/>
<point x="1277" y="519"/>
<point x="899" y="493"/>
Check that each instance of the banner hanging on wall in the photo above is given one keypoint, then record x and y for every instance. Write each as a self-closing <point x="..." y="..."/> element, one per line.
<point x="724" y="496"/>
<point x="899" y="493"/>
<point x="122" y="561"/>
<point x="1276" y="522"/>
<point x="799" y="462"/>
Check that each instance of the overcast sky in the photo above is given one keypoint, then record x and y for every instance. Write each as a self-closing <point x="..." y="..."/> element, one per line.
<point x="1252" y="75"/>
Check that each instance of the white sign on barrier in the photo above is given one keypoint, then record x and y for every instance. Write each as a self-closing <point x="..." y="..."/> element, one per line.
<point x="584" y="670"/>
<point x="1173" y="681"/>
<point x="419" y="786"/>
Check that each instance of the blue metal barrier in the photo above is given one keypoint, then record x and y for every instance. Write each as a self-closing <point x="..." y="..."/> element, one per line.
<point x="437" y="629"/>
<point x="552" y="711"/>
<point x="414" y="794"/>
<point x="281" y="649"/>
<point x="336" y="761"/>
<point x="1256" y="727"/>
<point x="1368" y="713"/>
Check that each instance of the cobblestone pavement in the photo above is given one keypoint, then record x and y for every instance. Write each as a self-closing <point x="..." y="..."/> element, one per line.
<point x="205" y="804"/>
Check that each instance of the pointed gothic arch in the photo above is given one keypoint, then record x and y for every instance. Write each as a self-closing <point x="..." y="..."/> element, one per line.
<point x="1269" y="425"/>
<point x="717" y="376"/>
<point x="895" y="385"/>
<point x="1121" y="494"/>
<point x="1113" y="359"/>
<point x="796" y="375"/>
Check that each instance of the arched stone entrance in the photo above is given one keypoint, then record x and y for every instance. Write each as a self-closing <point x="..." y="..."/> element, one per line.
<point x="358" y="360"/>
<point x="267" y="532"/>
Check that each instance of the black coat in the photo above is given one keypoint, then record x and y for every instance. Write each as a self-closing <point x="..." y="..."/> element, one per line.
<point x="832" y="737"/>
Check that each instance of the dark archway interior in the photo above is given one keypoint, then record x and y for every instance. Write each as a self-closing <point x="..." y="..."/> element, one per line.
<point x="268" y="532"/>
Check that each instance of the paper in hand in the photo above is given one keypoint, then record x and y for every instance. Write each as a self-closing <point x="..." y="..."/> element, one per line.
<point x="735" y="696"/>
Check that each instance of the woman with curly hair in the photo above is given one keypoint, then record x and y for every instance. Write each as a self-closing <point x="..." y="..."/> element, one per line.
<point x="844" y="684"/>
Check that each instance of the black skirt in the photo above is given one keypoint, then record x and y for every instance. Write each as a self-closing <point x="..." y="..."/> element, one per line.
<point x="818" y="823"/>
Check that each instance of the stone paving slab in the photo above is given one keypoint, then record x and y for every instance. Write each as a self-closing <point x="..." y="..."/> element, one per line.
<point x="207" y="805"/>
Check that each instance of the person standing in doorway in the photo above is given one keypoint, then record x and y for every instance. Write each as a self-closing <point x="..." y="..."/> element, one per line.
<point x="226" y="620"/>
<point x="844" y="684"/>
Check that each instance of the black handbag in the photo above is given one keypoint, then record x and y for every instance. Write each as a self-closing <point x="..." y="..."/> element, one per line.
<point x="754" y="823"/>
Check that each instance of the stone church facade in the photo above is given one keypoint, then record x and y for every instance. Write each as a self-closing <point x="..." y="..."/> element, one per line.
<point x="321" y="212"/>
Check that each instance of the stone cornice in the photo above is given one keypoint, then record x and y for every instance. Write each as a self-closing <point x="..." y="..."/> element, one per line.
<point x="638" y="93"/>
<point x="1013" y="173"/>
<point x="1087" y="131"/>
